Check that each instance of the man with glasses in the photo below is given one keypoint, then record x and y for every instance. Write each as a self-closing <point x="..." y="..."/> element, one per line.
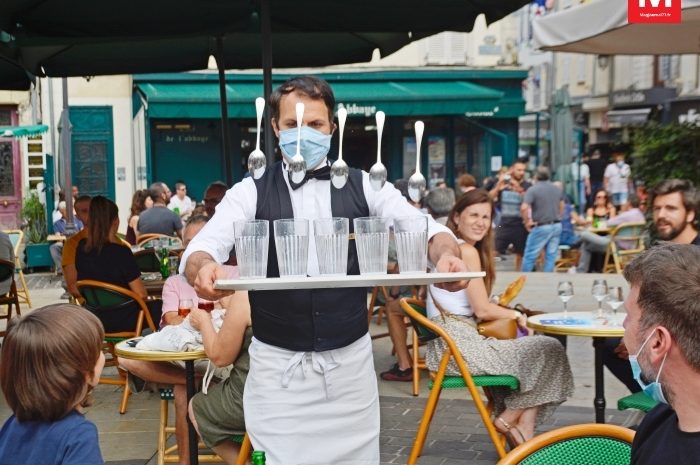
<point x="180" y="203"/>
<point x="213" y="195"/>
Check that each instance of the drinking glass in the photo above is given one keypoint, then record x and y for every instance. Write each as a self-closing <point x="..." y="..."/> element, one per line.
<point x="331" y="235"/>
<point x="565" y="291"/>
<point x="184" y="307"/>
<point x="252" y="239"/>
<point x="372" y="242"/>
<point x="173" y="265"/>
<point x="411" y="234"/>
<point x="292" y="243"/>
<point x="615" y="298"/>
<point x="599" y="291"/>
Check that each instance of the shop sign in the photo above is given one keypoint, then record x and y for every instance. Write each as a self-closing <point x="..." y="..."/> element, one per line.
<point x="354" y="109"/>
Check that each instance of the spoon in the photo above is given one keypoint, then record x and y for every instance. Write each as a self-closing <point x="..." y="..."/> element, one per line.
<point x="377" y="173"/>
<point x="256" y="159"/>
<point x="297" y="165"/>
<point x="416" y="183"/>
<point x="339" y="169"/>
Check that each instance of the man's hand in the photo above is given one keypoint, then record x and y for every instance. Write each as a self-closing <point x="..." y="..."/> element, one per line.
<point x="206" y="277"/>
<point x="450" y="264"/>
<point x="199" y="317"/>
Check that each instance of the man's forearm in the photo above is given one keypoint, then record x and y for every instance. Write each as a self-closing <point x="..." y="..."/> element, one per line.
<point x="194" y="263"/>
<point x="440" y="244"/>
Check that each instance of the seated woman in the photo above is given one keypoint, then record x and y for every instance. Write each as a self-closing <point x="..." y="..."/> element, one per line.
<point x="139" y="202"/>
<point x="601" y="211"/>
<point x="539" y="362"/>
<point x="102" y="256"/>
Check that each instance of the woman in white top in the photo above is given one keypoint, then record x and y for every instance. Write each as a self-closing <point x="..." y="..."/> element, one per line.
<point x="539" y="362"/>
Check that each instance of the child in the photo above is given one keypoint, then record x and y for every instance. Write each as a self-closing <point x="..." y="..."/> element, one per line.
<point x="51" y="360"/>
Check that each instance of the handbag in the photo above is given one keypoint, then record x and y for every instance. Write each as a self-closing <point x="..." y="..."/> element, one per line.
<point x="502" y="328"/>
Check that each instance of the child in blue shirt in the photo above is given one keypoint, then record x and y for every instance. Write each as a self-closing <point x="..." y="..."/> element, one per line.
<point x="50" y="362"/>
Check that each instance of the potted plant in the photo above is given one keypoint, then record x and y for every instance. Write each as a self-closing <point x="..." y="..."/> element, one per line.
<point x="35" y="230"/>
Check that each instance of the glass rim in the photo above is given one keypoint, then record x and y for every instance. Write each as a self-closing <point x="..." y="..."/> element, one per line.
<point x="290" y="220"/>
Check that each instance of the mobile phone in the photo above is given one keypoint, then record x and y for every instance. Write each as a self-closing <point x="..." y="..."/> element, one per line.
<point x="506" y="178"/>
<point x="132" y="342"/>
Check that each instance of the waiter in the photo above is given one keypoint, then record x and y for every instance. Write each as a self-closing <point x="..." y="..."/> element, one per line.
<point x="311" y="393"/>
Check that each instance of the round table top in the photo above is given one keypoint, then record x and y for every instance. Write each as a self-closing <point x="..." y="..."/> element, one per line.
<point x="578" y="324"/>
<point x="124" y="350"/>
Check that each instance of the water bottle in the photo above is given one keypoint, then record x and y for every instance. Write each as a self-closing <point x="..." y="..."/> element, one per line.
<point x="257" y="457"/>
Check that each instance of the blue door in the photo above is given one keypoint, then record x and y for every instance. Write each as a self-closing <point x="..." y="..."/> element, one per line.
<point x="93" y="150"/>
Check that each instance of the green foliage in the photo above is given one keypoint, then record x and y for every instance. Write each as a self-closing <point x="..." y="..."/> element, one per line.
<point x="666" y="151"/>
<point x="34" y="216"/>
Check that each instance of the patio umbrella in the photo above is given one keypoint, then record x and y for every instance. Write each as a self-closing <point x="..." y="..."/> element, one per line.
<point x="14" y="76"/>
<point x="601" y="27"/>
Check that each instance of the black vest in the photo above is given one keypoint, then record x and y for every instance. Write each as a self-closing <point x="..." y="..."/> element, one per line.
<point x="309" y="319"/>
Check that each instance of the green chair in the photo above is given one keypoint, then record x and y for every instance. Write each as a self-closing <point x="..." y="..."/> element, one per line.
<point x="426" y="330"/>
<point x="588" y="444"/>
<point x="101" y="298"/>
<point x="638" y="400"/>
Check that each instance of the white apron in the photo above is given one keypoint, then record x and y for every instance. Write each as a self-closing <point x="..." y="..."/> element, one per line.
<point x="313" y="408"/>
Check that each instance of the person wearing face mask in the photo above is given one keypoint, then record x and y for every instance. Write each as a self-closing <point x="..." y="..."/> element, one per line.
<point x="311" y="354"/>
<point x="618" y="180"/>
<point x="661" y="334"/>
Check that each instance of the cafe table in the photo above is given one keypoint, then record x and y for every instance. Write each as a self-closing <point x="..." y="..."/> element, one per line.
<point x="126" y="349"/>
<point x="583" y="324"/>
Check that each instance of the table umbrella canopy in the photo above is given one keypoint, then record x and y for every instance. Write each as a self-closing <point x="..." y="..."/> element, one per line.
<point x="91" y="38"/>
<point x="601" y="27"/>
<point x="13" y="76"/>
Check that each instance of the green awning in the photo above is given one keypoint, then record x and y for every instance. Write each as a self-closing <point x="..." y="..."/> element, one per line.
<point x="360" y="98"/>
<point x="23" y="131"/>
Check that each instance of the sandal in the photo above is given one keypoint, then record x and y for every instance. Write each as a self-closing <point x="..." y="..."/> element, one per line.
<point x="513" y="435"/>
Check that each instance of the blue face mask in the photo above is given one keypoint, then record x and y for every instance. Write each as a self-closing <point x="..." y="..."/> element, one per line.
<point x="314" y="145"/>
<point x="653" y="389"/>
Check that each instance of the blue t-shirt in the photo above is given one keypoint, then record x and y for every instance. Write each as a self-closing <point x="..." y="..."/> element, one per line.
<point x="72" y="440"/>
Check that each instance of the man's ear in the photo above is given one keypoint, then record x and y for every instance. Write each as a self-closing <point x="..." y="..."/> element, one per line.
<point x="275" y="128"/>
<point x="690" y="217"/>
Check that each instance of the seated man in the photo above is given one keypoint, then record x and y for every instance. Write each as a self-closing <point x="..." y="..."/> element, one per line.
<point x="59" y="227"/>
<point x="159" y="219"/>
<point x="661" y="335"/>
<point x="175" y="289"/>
<point x="595" y="243"/>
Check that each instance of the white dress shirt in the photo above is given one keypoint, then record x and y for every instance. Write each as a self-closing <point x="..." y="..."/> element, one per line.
<point x="310" y="201"/>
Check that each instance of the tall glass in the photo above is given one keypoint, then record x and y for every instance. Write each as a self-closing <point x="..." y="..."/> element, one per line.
<point x="615" y="299"/>
<point x="292" y="243"/>
<point x="331" y="235"/>
<point x="252" y="239"/>
<point x="565" y="291"/>
<point x="599" y="291"/>
<point x="411" y="234"/>
<point x="372" y="242"/>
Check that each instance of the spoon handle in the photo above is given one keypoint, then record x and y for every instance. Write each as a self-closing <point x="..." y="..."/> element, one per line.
<point x="419" y="126"/>
<point x="300" y="119"/>
<point x="342" y="116"/>
<point x="380" y="116"/>
<point x="259" y="109"/>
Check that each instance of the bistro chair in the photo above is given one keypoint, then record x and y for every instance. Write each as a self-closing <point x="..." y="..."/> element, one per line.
<point x="170" y="454"/>
<point x="147" y="240"/>
<point x="147" y="260"/>
<point x="100" y="298"/>
<point x="7" y="271"/>
<point x="615" y="257"/>
<point x="16" y="237"/>
<point x="638" y="400"/>
<point x="427" y="330"/>
<point x="587" y="444"/>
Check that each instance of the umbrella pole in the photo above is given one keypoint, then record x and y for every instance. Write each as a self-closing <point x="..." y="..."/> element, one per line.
<point x="266" y="39"/>
<point x="66" y="137"/>
<point x="225" y="145"/>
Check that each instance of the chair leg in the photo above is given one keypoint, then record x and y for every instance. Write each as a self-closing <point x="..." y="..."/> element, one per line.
<point x="25" y="289"/>
<point x="245" y="451"/>
<point x="125" y="395"/>
<point x="415" y="355"/>
<point x="161" y="431"/>
<point x="429" y="411"/>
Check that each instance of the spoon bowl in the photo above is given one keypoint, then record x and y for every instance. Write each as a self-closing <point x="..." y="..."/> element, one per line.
<point x="416" y="183"/>
<point x="378" y="172"/>
<point x="339" y="169"/>
<point x="297" y="165"/>
<point x="256" y="160"/>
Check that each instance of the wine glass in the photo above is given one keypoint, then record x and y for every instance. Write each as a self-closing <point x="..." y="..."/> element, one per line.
<point x="599" y="291"/>
<point x="615" y="298"/>
<point x="565" y="290"/>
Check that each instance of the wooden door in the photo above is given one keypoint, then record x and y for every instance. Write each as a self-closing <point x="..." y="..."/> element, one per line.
<point x="10" y="169"/>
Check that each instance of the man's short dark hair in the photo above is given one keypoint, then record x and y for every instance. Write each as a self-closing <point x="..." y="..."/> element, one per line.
<point x="197" y="219"/>
<point x="683" y="186"/>
<point x="633" y="199"/>
<point x="155" y="190"/>
<point x="668" y="278"/>
<point x="311" y="86"/>
<point x="542" y="173"/>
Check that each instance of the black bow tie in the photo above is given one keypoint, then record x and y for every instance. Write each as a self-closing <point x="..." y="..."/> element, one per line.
<point x="322" y="174"/>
